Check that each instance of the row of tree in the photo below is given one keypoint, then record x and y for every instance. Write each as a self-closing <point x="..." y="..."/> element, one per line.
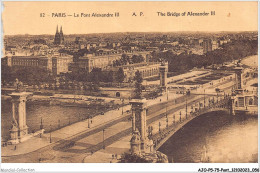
<point x="96" y="76"/>
<point x="36" y="76"/>
<point x="126" y="59"/>
<point x="234" y="50"/>
<point x="32" y="75"/>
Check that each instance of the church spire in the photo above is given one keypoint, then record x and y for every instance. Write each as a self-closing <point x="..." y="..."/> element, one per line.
<point x="59" y="38"/>
<point x="61" y="30"/>
<point x="57" y="30"/>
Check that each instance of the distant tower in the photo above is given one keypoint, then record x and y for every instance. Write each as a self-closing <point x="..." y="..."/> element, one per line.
<point x="239" y="79"/>
<point x="163" y="69"/>
<point x="59" y="38"/>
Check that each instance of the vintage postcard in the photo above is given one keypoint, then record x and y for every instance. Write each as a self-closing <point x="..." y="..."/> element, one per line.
<point x="130" y="82"/>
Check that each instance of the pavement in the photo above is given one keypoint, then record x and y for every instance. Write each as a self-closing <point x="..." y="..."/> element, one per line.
<point x="173" y="78"/>
<point x="251" y="61"/>
<point x="36" y="142"/>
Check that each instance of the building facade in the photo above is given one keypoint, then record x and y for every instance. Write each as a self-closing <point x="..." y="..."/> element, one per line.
<point x="60" y="63"/>
<point x="89" y="61"/>
<point x="209" y="45"/>
<point x="56" y="64"/>
<point x="100" y="60"/>
<point x="147" y="70"/>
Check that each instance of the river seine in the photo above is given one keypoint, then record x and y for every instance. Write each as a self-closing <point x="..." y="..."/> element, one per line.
<point x="52" y="117"/>
<point x="216" y="136"/>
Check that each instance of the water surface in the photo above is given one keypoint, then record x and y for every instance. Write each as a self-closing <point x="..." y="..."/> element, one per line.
<point x="216" y="135"/>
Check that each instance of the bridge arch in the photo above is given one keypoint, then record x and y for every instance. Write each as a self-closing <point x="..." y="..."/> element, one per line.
<point x="161" y="137"/>
<point x="191" y="136"/>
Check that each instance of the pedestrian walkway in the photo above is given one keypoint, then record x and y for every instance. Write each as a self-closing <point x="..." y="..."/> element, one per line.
<point x="36" y="142"/>
<point x="180" y="76"/>
<point x="25" y="147"/>
<point x="106" y="155"/>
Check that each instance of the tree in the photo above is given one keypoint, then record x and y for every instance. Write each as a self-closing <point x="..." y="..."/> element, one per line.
<point x="133" y="158"/>
<point x="125" y="59"/>
<point x="39" y="41"/>
<point x="137" y="59"/>
<point x="96" y="75"/>
<point x="7" y="74"/>
<point x="138" y="85"/>
<point x="107" y="76"/>
<point x="120" y="75"/>
<point x="183" y="62"/>
<point x="32" y="75"/>
<point x="116" y="63"/>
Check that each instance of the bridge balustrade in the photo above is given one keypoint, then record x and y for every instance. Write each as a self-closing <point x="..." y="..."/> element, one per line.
<point x="159" y="136"/>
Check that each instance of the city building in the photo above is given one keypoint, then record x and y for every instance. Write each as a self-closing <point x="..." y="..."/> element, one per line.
<point x="207" y="45"/>
<point x="215" y="45"/>
<point x="60" y="63"/>
<point x="90" y="61"/>
<point x="103" y="60"/>
<point x="198" y="42"/>
<point x="55" y="63"/>
<point x="147" y="70"/>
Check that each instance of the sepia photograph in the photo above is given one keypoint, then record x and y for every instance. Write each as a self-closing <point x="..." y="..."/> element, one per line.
<point x="129" y="82"/>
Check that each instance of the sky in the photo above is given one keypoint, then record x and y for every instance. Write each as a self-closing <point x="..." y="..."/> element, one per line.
<point x="24" y="17"/>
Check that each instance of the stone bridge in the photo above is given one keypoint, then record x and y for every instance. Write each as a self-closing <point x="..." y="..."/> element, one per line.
<point x="163" y="135"/>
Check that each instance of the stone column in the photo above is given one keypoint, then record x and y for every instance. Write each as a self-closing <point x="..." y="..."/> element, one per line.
<point x="163" y="69"/>
<point x="133" y="121"/>
<point x="239" y="82"/>
<point x="19" y="129"/>
<point x="139" y="121"/>
<point x="232" y="105"/>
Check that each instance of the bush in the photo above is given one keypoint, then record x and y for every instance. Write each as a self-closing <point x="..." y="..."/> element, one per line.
<point x="129" y="158"/>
